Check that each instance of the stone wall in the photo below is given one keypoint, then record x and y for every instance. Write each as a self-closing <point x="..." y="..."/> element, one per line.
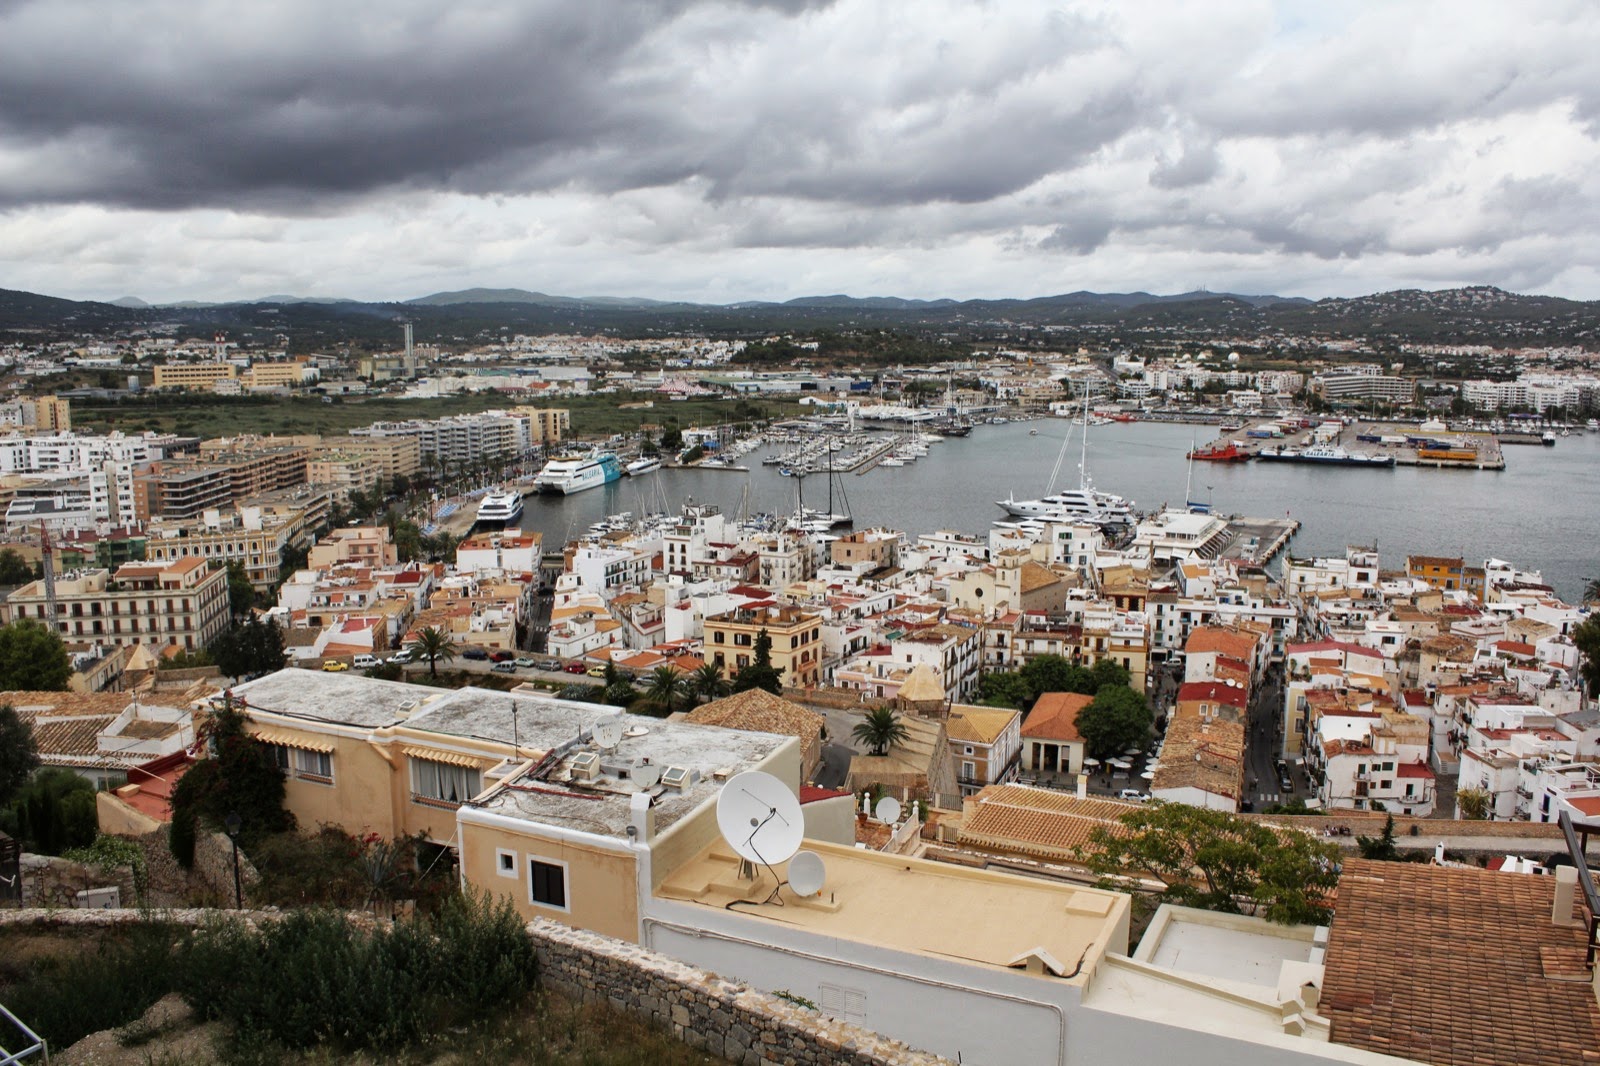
<point x="723" y="1018"/>
<point x="49" y="881"/>
<point x="211" y="877"/>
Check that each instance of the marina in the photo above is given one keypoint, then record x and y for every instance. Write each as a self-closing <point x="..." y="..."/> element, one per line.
<point x="1543" y="501"/>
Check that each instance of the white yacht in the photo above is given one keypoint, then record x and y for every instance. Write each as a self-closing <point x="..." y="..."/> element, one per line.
<point x="1074" y="505"/>
<point x="574" y="473"/>
<point x="646" y="465"/>
<point x="503" y="508"/>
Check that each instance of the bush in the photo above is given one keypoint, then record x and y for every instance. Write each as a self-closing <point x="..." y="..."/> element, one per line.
<point x="66" y="999"/>
<point x="334" y="869"/>
<point x="54" y="811"/>
<point x="316" y="978"/>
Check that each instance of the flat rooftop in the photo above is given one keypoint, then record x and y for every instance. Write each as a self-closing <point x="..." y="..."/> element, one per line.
<point x="338" y="698"/>
<point x="1226" y="948"/>
<point x="602" y="806"/>
<point x="977" y="917"/>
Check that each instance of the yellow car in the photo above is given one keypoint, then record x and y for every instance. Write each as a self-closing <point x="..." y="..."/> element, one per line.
<point x="333" y="666"/>
<point x="596" y="671"/>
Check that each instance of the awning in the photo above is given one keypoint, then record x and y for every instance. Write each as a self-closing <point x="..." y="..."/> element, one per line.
<point x="452" y="758"/>
<point x="293" y="740"/>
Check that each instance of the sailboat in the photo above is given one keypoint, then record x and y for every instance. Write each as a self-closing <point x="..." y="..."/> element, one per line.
<point x="1083" y="504"/>
<point x="813" y="521"/>
<point x="1194" y="506"/>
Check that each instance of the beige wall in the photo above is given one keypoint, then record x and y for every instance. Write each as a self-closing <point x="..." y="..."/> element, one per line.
<point x="601" y="884"/>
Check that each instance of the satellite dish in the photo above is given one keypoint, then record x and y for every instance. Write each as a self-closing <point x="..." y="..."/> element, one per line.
<point x="807" y="874"/>
<point x="607" y="732"/>
<point x="888" y="810"/>
<point x="646" y="775"/>
<point x="760" y="817"/>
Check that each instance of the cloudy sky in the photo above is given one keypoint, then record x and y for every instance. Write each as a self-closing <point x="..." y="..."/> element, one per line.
<point x="730" y="150"/>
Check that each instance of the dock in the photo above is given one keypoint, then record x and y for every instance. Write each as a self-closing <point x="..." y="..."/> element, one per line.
<point x="1257" y="541"/>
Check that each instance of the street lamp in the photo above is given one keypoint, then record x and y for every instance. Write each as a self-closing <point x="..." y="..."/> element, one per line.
<point x="231" y="823"/>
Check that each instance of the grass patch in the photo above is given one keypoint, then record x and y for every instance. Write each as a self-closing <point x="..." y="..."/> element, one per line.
<point x="99" y="985"/>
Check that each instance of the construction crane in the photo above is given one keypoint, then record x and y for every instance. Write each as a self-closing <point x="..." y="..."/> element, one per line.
<point x="48" y="564"/>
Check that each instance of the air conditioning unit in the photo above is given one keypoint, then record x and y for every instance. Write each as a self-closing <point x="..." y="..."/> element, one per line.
<point x="585" y="766"/>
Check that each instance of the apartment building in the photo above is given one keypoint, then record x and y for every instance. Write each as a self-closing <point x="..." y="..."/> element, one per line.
<point x="985" y="745"/>
<point x="461" y="440"/>
<point x="395" y="456"/>
<point x="796" y="641"/>
<point x="193" y="376"/>
<point x="51" y="414"/>
<point x="182" y="602"/>
<point x="546" y="425"/>
<point x="290" y="374"/>
<point x="249" y="534"/>
<point x="342" y="473"/>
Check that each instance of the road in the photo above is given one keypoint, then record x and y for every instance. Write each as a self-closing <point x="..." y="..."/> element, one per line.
<point x="1264" y="747"/>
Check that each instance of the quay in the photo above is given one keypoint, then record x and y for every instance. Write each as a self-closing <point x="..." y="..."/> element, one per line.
<point x="1257" y="541"/>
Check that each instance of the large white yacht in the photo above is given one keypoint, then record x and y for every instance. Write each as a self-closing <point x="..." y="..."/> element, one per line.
<point x="1073" y="505"/>
<point x="500" y="507"/>
<point x="574" y="473"/>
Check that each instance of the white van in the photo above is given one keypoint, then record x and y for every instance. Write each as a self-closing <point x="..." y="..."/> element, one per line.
<point x="364" y="662"/>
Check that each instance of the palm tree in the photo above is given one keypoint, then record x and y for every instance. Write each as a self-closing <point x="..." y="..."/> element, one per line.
<point x="664" y="692"/>
<point x="707" y="683"/>
<point x="1591" y="590"/>
<point x="1473" y="803"/>
<point x="431" y="645"/>
<point x="881" y="730"/>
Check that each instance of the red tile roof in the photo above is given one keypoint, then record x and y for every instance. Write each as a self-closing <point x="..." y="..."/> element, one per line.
<point x="1055" y="717"/>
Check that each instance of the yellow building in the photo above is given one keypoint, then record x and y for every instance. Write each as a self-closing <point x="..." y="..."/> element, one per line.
<point x="546" y="425"/>
<point x="395" y="456"/>
<point x="342" y="473"/>
<point x="203" y="376"/>
<point x="182" y="602"/>
<point x="285" y="375"/>
<point x="796" y="641"/>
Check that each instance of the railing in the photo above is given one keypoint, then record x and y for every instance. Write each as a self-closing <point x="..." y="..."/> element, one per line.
<point x="36" y="1045"/>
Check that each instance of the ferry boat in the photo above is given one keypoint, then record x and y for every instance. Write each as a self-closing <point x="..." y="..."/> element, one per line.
<point x="1324" y="454"/>
<point x="647" y="465"/>
<point x="503" y="508"/>
<point x="1221" y="451"/>
<point x="574" y="473"/>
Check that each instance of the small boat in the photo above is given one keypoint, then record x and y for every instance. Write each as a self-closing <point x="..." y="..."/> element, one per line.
<point x="503" y="508"/>
<point x="1033" y="433"/>
<point x="1548" y="439"/>
<point x="1220" y="451"/>
<point x="643" y="466"/>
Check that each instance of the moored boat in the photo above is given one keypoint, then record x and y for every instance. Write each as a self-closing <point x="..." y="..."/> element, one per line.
<point x="1221" y="451"/>
<point x="575" y="473"/>
<point x="502" y="508"/>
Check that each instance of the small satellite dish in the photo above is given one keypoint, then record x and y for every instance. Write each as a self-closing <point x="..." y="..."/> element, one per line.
<point x="607" y="732"/>
<point x="760" y="818"/>
<point x="888" y="810"/>
<point x="807" y="874"/>
<point x="645" y="775"/>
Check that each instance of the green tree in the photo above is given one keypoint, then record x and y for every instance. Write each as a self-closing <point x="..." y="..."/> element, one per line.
<point x="1591" y="588"/>
<point x="431" y="645"/>
<point x="664" y="692"/>
<point x="1473" y="803"/>
<point x="241" y="593"/>
<point x="617" y="689"/>
<point x="1006" y="688"/>
<point x="19" y="754"/>
<point x="292" y="557"/>
<point x="1380" y="847"/>
<point x="759" y="671"/>
<point x="407" y="537"/>
<point x="14" y="569"/>
<point x="1108" y="672"/>
<point x="1220" y="862"/>
<point x="254" y="647"/>
<point x="239" y="775"/>
<point x="671" y="440"/>
<point x="1586" y="638"/>
<point x="1116" y="719"/>
<point x="880" y="730"/>
<point x="32" y="658"/>
<point x="1052" y="673"/>
<point x="53" y="811"/>
<point x="707" y="683"/>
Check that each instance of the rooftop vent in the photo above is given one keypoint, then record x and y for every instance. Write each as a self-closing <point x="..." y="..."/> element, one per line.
<point x="679" y="778"/>
<point x="585" y="766"/>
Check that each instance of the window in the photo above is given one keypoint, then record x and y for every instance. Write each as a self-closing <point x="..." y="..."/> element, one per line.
<point x="547" y="883"/>
<point x="315" y="765"/>
<point x="440" y="783"/>
<point x="505" y="862"/>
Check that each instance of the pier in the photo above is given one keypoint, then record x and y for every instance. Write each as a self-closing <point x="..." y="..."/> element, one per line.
<point x="1257" y="541"/>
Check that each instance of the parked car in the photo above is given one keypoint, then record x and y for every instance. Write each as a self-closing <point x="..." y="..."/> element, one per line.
<point x="1133" y="794"/>
<point x="475" y="654"/>
<point x="334" y="666"/>
<point x="550" y="664"/>
<point x="501" y="656"/>
<point x="576" y="667"/>
<point x="401" y="657"/>
<point x="365" y="662"/>
<point x="596" y="671"/>
<point x="504" y="668"/>
<point x="526" y="663"/>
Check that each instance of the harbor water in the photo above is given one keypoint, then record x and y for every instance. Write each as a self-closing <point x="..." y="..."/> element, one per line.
<point x="1540" y="512"/>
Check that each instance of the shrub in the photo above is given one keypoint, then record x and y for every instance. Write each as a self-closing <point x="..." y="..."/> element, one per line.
<point x="54" y="811"/>
<point x="65" y="999"/>
<point x="316" y="978"/>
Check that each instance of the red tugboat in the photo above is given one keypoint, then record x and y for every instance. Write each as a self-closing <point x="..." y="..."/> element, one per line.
<point x="1221" y="451"/>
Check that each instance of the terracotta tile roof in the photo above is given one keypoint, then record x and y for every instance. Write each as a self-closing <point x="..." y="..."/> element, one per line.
<point x="761" y="712"/>
<point x="1213" y="692"/>
<point x="1055" y="717"/>
<point x="1457" y="966"/>
<point x="1037" y="576"/>
<point x="1228" y="642"/>
<point x="70" y="739"/>
<point x="1036" y="821"/>
<point x="978" y="725"/>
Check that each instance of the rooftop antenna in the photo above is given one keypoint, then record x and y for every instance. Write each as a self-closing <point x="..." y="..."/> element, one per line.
<point x="759" y="816"/>
<point x="516" y="741"/>
<point x="807" y="874"/>
<point x="48" y="565"/>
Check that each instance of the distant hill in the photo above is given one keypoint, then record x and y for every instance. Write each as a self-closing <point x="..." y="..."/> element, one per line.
<point x="1475" y="315"/>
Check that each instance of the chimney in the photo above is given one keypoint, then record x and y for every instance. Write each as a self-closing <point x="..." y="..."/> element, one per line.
<point x="1566" y="883"/>
<point x="641" y="818"/>
<point x="1083" y="786"/>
